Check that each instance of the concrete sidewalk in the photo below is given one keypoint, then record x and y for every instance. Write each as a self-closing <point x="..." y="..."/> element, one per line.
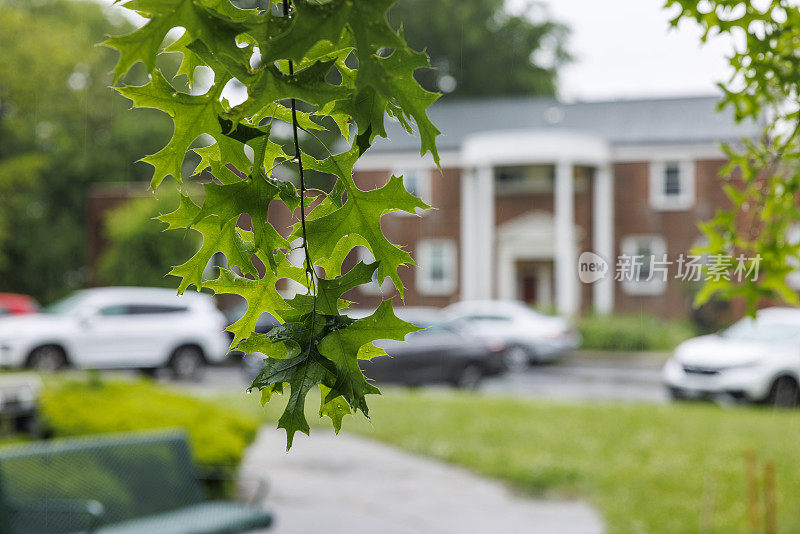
<point x="350" y="485"/>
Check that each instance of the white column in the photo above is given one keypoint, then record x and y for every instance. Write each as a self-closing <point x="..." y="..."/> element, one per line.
<point x="566" y="268"/>
<point x="469" y="245"/>
<point x="506" y="275"/>
<point x="477" y="233"/>
<point x="485" y="232"/>
<point x="603" y="237"/>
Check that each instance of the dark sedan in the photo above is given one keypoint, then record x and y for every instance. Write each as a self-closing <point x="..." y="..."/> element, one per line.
<point x="440" y="353"/>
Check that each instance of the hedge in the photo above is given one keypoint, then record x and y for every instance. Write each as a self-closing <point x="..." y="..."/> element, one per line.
<point x="633" y="332"/>
<point x="218" y="435"/>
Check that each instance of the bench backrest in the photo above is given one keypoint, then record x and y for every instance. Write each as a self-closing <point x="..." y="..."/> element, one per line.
<point x="132" y="475"/>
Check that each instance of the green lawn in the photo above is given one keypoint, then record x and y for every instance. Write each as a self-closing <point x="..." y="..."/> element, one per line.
<point x="649" y="469"/>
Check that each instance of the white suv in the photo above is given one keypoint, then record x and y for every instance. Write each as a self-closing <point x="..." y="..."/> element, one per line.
<point x="116" y="328"/>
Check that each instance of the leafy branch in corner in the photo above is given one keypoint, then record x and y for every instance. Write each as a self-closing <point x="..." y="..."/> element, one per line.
<point x="283" y="56"/>
<point x="762" y="178"/>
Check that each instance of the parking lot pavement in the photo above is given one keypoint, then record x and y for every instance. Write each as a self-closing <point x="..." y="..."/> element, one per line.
<point x="583" y="381"/>
<point x="345" y="484"/>
<point x="583" y="377"/>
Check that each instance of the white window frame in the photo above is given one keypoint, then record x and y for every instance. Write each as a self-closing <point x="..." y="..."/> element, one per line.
<point x="630" y="246"/>
<point x="425" y="178"/>
<point x="427" y="286"/>
<point x="686" y="177"/>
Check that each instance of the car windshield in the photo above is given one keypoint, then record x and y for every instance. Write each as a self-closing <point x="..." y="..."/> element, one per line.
<point x="67" y="305"/>
<point x="430" y="326"/>
<point x="754" y="330"/>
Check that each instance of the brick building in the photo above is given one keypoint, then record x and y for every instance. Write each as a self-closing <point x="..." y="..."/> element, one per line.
<point x="528" y="184"/>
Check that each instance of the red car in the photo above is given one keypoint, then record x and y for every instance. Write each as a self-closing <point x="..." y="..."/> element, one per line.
<point x="13" y="304"/>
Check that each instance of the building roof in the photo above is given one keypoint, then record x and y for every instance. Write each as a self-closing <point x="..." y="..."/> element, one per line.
<point x="620" y="122"/>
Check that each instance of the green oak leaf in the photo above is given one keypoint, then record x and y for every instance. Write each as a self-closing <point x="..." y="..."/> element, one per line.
<point x="193" y="116"/>
<point x="261" y="295"/>
<point x="303" y="371"/>
<point x="342" y="346"/>
<point x="189" y="61"/>
<point x="252" y="196"/>
<point x="335" y="409"/>
<point x="329" y="235"/>
<point x="227" y="240"/>
<point x="310" y="24"/>
<point x="388" y="83"/>
<point x="328" y="300"/>
<point x="216" y="21"/>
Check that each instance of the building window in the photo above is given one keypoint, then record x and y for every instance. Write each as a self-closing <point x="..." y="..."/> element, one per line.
<point x="525" y="179"/>
<point x="438" y="264"/>
<point x="643" y="266"/>
<point x="672" y="185"/>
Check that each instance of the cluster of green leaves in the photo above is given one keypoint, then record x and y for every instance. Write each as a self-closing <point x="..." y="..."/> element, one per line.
<point x="763" y="175"/>
<point x="347" y="65"/>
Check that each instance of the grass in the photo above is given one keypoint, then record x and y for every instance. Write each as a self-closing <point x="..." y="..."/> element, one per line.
<point x="647" y="468"/>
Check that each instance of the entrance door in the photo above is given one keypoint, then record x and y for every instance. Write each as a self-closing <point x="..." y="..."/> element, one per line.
<point x="534" y="282"/>
<point x="529" y="286"/>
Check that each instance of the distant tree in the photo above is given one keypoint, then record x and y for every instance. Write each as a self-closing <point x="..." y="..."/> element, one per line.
<point x="139" y="253"/>
<point x="61" y="130"/>
<point x="478" y="48"/>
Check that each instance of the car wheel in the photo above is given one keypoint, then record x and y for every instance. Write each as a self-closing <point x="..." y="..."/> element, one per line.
<point x="47" y="359"/>
<point x="469" y="377"/>
<point x="187" y="363"/>
<point x="676" y="395"/>
<point x="517" y="358"/>
<point x="784" y="392"/>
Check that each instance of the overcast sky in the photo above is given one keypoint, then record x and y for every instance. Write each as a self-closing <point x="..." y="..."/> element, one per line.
<point x="627" y="49"/>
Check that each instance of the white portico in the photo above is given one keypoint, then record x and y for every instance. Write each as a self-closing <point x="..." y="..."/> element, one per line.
<point x="490" y="255"/>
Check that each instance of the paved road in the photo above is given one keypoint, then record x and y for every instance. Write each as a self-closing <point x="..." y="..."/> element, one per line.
<point x="584" y="377"/>
<point x="350" y="485"/>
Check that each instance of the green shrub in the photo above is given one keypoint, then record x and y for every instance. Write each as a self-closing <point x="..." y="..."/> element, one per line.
<point x="218" y="436"/>
<point x="633" y="332"/>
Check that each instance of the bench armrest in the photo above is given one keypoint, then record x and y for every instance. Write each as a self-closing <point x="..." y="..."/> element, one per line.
<point x="93" y="510"/>
<point x="222" y="474"/>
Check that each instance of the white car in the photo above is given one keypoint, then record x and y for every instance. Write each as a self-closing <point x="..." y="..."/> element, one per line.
<point x="529" y="336"/>
<point x="756" y="360"/>
<point x="105" y="328"/>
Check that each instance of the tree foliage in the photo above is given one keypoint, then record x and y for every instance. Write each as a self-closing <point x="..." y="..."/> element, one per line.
<point x="763" y="176"/>
<point x="479" y="48"/>
<point x="138" y="253"/>
<point x="345" y="63"/>
<point x="61" y="130"/>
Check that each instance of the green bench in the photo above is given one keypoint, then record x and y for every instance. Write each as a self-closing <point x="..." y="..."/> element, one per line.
<point x="115" y="484"/>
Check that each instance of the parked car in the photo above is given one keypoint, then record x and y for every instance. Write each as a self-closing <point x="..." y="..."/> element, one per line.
<point x="14" y="304"/>
<point x="530" y="337"/>
<point x="755" y="360"/>
<point x="108" y="328"/>
<point x="440" y="353"/>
